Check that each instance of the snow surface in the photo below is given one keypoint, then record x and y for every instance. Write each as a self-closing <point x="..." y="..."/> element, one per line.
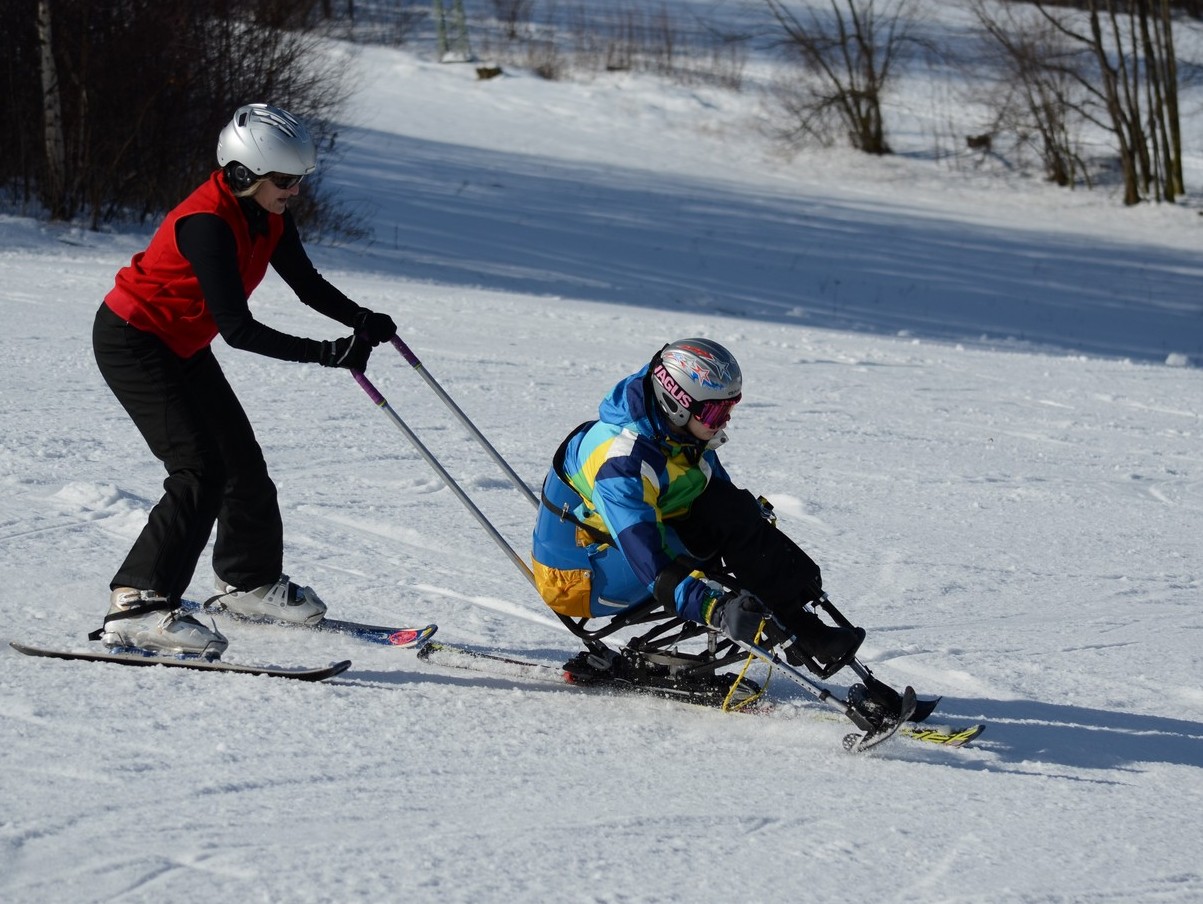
<point x="976" y="403"/>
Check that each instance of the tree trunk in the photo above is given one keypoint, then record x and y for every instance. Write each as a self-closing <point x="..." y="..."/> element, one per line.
<point x="1169" y="65"/>
<point x="1115" y="110"/>
<point x="54" y="183"/>
<point x="1155" y="100"/>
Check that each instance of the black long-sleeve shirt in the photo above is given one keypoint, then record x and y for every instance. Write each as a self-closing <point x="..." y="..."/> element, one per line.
<point x="209" y="246"/>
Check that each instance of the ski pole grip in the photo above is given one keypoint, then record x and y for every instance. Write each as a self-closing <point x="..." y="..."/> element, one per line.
<point x="366" y="385"/>
<point x="409" y="356"/>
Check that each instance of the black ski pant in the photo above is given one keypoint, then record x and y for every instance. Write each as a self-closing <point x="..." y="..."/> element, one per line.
<point x="195" y="425"/>
<point x="726" y="530"/>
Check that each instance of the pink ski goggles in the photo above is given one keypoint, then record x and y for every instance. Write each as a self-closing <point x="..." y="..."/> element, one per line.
<point x="714" y="413"/>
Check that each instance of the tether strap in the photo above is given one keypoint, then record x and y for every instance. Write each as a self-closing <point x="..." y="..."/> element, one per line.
<point x="563" y="512"/>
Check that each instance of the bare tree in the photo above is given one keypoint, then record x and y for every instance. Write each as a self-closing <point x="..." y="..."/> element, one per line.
<point x="1133" y="89"/>
<point x="847" y="57"/>
<point x="1038" y="88"/>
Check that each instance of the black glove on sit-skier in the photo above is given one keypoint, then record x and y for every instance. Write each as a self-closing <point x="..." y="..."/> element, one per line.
<point x="350" y="352"/>
<point x="374" y="327"/>
<point x="738" y="614"/>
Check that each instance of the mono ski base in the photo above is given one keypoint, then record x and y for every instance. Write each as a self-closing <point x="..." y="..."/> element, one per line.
<point x="201" y="665"/>
<point x="712" y="691"/>
<point x="378" y="634"/>
<point x="499" y="663"/>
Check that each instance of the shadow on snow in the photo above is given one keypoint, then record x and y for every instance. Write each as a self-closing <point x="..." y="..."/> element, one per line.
<point x="1031" y="733"/>
<point x="458" y="215"/>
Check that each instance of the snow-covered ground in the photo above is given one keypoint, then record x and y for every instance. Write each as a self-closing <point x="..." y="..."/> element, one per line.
<point x="977" y="405"/>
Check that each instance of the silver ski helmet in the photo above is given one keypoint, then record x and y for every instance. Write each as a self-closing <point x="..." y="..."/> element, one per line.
<point x="260" y="140"/>
<point x="696" y="377"/>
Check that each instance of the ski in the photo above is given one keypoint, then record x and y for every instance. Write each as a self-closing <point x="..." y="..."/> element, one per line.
<point x="940" y="735"/>
<point x="378" y="634"/>
<point x="499" y="663"/>
<point x="714" y="691"/>
<point x="466" y="658"/>
<point x="202" y="665"/>
<point x="945" y="736"/>
<point x="712" y="694"/>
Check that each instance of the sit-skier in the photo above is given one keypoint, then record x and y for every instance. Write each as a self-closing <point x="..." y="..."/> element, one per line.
<point x="637" y="507"/>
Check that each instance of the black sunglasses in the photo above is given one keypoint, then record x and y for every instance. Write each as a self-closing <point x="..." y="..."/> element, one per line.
<point x="284" y="181"/>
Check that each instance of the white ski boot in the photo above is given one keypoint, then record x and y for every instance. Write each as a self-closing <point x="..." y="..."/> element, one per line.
<point x="148" y="621"/>
<point x="281" y="601"/>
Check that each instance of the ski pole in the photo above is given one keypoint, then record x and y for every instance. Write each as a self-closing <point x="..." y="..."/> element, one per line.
<point x="412" y="359"/>
<point x="382" y="403"/>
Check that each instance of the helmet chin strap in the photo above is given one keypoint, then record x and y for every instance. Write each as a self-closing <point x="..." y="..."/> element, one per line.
<point x="717" y="440"/>
<point x="692" y="446"/>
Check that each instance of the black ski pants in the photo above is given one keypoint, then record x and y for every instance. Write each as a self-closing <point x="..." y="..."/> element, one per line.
<point x="726" y="530"/>
<point x="195" y="425"/>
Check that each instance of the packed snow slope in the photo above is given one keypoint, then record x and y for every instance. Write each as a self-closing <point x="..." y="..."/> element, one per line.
<point x="957" y="397"/>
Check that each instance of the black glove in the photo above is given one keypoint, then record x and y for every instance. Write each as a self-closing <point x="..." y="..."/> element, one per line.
<point x="376" y="328"/>
<point x="350" y="352"/>
<point x="738" y="614"/>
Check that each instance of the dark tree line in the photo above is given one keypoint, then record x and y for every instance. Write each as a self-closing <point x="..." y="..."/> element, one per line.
<point x="113" y="109"/>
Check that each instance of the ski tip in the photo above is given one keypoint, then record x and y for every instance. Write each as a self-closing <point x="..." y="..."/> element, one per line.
<point x="411" y="637"/>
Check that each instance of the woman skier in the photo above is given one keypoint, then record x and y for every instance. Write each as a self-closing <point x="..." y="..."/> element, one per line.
<point x="152" y="338"/>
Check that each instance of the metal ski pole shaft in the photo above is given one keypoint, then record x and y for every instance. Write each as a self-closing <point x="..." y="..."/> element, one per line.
<point x="878" y="729"/>
<point x="816" y="690"/>
<point x="382" y="403"/>
<point x="413" y="361"/>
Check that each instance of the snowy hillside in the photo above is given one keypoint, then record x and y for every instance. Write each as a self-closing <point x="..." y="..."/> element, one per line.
<point x="978" y="406"/>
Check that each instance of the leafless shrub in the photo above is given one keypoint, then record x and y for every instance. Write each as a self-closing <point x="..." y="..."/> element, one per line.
<point x="556" y="40"/>
<point x="1037" y="98"/>
<point x="845" y="59"/>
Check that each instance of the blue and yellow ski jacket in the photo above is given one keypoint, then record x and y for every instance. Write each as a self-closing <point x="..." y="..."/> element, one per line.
<point x="622" y="481"/>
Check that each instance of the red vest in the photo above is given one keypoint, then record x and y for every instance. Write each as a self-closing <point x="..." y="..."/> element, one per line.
<point x="158" y="292"/>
